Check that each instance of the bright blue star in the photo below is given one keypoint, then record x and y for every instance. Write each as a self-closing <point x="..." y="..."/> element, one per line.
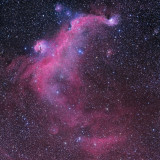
<point x="80" y="51"/>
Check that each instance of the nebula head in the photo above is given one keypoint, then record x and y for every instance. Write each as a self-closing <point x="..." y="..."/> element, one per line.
<point x="113" y="20"/>
<point x="41" y="46"/>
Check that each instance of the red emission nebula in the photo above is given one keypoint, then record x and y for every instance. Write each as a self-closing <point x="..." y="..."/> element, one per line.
<point x="64" y="102"/>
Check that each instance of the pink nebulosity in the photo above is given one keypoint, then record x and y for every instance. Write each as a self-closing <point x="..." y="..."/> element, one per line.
<point x="65" y="57"/>
<point x="56" y="78"/>
<point x="41" y="46"/>
<point x="65" y="44"/>
<point x="113" y="21"/>
<point x="97" y="146"/>
<point x="87" y="21"/>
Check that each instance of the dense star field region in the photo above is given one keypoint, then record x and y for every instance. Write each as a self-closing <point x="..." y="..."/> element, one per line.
<point x="79" y="80"/>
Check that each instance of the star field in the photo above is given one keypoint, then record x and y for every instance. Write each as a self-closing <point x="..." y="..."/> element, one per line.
<point x="79" y="80"/>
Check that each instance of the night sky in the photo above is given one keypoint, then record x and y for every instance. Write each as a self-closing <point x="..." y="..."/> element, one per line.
<point x="79" y="80"/>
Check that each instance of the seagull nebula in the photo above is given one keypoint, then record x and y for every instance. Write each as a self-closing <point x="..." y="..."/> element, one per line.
<point x="84" y="92"/>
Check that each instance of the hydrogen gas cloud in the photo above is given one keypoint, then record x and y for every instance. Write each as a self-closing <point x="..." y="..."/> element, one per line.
<point x="75" y="98"/>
